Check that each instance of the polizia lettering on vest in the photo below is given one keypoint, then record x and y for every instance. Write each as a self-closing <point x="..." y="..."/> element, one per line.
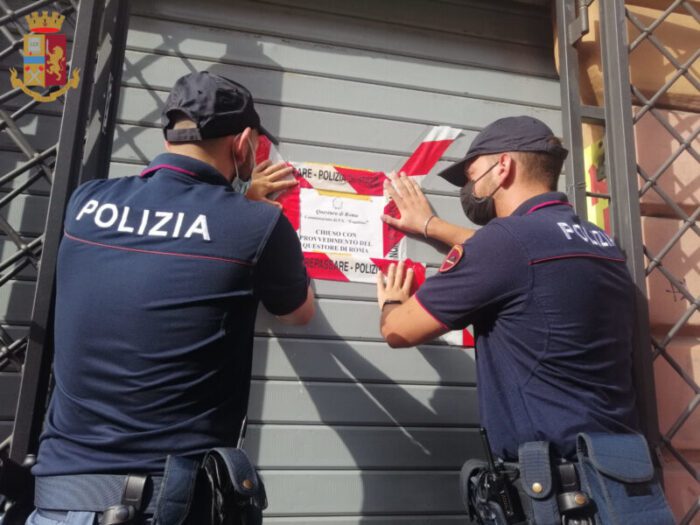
<point x="150" y="223"/>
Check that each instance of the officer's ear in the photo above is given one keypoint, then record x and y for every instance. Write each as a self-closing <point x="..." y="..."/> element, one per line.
<point x="505" y="169"/>
<point x="241" y="145"/>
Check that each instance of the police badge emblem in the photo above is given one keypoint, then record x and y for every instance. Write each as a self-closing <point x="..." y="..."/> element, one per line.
<point x="453" y="257"/>
<point x="44" y="58"/>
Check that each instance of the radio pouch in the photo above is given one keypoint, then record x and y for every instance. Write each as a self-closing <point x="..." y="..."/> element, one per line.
<point x="483" y="495"/>
<point x="617" y="472"/>
<point x="467" y="484"/>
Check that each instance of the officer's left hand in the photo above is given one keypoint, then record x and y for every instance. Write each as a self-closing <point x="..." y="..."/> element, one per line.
<point x="397" y="286"/>
<point x="268" y="178"/>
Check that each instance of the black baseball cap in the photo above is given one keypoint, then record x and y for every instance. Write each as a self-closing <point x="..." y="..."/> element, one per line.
<point x="506" y="134"/>
<point x="218" y="105"/>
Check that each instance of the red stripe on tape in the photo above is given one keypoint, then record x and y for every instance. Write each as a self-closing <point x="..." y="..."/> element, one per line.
<point x="467" y="339"/>
<point x="263" y="151"/>
<point x="320" y="266"/>
<point x="303" y="183"/>
<point x="418" y="270"/>
<point x="391" y="236"/>
<point x="364" y="182"/>
<point x="425" y="157"/>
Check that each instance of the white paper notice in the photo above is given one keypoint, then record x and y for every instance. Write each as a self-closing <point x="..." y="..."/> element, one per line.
<point x="339" y="224"/>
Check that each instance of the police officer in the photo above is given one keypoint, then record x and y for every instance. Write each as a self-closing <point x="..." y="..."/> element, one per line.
<point x="548" y="294"/>
<point x="158" y="281"/>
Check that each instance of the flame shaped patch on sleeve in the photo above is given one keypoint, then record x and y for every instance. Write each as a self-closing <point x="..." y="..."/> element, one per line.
<point x="453" y="257"/>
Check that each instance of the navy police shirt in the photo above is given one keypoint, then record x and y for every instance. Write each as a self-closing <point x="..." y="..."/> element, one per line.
<point x="158" y="282"/>
<point x="552" y="305"/>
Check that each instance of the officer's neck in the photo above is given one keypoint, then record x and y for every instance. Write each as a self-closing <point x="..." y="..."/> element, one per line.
<point x="511" y="198"/>
<point x="219" y="159"/>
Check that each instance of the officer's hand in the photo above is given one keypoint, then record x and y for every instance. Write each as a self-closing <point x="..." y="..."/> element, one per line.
<point x="397" y="286"/>
<point x="269" y="178"/>
<point x="413" y="206"/>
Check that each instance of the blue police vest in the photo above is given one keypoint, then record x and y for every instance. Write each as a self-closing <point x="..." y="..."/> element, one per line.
<point x="552" y="306"/>
<point x="157" y="291"/>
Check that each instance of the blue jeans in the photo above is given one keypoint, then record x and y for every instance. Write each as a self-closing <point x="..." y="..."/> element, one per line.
<point x="73" y="517"/>
<point x="52" y="517"/>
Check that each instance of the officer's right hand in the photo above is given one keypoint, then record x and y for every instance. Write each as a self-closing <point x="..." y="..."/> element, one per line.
<point x="269" y="178"/>
<point x="414" y="208"/>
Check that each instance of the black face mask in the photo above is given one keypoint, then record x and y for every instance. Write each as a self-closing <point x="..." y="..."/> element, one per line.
<point x="479" y="210"/>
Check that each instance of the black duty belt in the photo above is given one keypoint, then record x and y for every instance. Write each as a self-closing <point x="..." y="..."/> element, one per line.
<point x="90" y="492"/>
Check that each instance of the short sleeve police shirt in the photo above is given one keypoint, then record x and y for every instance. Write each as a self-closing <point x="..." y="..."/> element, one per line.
<point x="158" y="282"/>
<point x="551" y="303"/>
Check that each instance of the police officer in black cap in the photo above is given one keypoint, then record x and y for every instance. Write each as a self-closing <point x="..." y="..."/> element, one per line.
<point x="549" y="297"/>
<point x="159" y="278"/>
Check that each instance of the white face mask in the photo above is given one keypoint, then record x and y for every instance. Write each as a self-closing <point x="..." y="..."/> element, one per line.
<point x="241" y="186"/>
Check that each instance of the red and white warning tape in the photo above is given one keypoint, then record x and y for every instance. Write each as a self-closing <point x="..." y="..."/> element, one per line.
<point x="353" y="181"/>
<point x="348" y="260"/>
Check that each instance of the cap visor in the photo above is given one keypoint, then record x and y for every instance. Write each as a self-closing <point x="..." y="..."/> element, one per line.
<point x="269" y="135"/>
<point x="455" y="173"/>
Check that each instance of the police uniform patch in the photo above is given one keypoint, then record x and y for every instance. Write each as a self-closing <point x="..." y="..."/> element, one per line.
<point x="455" y="255"/>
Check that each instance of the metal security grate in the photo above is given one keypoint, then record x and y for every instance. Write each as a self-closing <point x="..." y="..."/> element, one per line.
<point x="44" y="161"/>
<point x="635" y="108"/>
<point x="28" y="171"/>
<point x="651" y="183"/>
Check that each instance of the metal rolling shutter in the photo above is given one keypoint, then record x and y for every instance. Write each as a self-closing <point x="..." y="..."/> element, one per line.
<point x="344" y="429"/>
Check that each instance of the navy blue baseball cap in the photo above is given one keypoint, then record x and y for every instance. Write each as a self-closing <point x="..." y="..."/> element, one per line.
<point x="506" y="134"/>
<point x="217" y="105"/>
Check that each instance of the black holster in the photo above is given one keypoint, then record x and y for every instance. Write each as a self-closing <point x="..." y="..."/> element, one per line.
<point x="230" y="492"/>
<point x="222" y="489"/>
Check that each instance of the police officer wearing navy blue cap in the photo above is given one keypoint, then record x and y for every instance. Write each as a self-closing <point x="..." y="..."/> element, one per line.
<point x="158" y="281"/>
<point x="549" y="297"/>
